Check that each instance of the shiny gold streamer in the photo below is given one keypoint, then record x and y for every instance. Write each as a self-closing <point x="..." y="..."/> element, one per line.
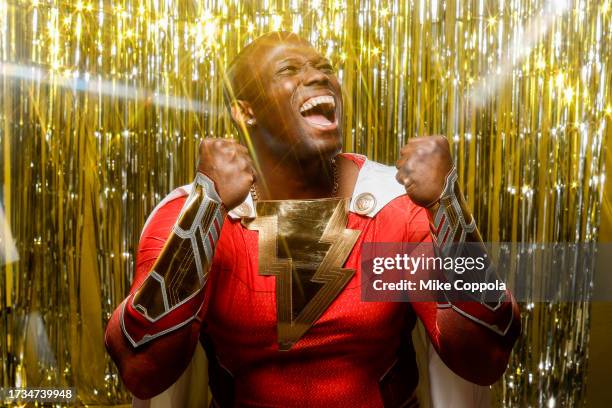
<point x="103" y="103"/>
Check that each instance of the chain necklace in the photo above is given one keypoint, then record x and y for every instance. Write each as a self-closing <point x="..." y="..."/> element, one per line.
<point x="334" y="191"/>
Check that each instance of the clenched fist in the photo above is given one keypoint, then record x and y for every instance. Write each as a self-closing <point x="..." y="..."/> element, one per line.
<point x="422" y="168"/>
<point x="229" y="166"/>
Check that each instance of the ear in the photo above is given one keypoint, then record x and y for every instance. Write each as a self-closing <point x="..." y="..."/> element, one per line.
<point x="242" y="113"/>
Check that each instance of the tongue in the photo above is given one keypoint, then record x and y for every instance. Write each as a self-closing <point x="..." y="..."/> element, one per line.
<point x="317" y="119"/>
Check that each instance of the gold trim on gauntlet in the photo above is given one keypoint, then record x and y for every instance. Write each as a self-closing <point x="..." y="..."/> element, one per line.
<point x="455" y="234"/>
<point x="182" y="267"/>
<point x="453" y="223"/>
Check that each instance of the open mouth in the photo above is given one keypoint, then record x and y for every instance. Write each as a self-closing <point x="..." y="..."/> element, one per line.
<point x="319" y="111"/>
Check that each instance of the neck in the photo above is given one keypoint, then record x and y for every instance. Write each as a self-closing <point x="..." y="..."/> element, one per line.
<point x="292" y="179"/>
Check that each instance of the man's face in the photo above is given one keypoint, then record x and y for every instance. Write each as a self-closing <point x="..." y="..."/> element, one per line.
<point x="297" y="101"/>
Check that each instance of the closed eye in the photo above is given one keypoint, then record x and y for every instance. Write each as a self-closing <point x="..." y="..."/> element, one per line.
<point x="287" y="69"/>
<point x="327" y="68"/>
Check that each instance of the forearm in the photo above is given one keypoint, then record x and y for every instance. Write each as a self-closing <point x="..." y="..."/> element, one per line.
<point x="455" y="235"/>
<point x="476" y="332"/>
<point x="152" y="334"/>
<point x="472" y="334"/>
<point x="150" y="369"/>
<point x="468" y="348"/>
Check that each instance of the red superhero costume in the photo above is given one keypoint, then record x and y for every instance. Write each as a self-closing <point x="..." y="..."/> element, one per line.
<point x="356" y="354"/>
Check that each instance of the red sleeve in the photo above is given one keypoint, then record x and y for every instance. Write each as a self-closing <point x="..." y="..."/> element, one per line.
<point x="154" y="236"/>
<point x="463" y="335"/>
<point x="149" y="369"/>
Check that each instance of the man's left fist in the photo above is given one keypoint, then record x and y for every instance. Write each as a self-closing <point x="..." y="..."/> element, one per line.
<point x="422" y="167"/>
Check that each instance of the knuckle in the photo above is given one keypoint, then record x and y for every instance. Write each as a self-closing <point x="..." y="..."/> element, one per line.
<point x="441" y="140"/>
<point x="244" y="155"/>
<point x="401" y="161"/>
<point x="205" y="145"/>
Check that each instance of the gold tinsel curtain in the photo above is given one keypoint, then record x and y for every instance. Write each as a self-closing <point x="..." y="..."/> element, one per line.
<point x="103" y="103"/>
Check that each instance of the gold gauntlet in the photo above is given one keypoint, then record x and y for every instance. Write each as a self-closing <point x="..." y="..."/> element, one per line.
<point x="455" y="235"/>
<point x="182" y="266"/>
<point x="452" y="223"/>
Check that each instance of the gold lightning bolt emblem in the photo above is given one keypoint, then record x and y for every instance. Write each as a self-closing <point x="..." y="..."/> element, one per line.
<point x="304" y="245"/>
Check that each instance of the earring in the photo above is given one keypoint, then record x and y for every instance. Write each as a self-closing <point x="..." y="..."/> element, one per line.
<point x="250" y="122"/>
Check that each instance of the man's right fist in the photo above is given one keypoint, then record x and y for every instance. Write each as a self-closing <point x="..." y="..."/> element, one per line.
<point x="229" y="166"/>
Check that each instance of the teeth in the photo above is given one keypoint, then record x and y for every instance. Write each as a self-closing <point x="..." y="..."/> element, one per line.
<point x="317" y="100"/>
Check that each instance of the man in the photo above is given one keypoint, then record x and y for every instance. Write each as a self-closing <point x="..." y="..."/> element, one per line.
<point x="259" y="260"/>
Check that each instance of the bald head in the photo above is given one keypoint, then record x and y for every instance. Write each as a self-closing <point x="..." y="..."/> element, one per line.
<point x="242" y="74"/>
